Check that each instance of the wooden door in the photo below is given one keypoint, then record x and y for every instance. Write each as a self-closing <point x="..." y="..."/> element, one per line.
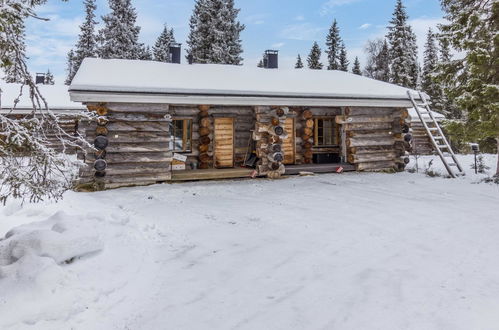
<point x="288" y="144"/>
<point x="224" y="142"/>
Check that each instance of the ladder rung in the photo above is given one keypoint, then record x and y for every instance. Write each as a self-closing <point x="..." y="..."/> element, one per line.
<point x="452" y="164"/>
<point x="432" y="128"/>
<point x="422" y="105"/>
<point x="438" y="137"/>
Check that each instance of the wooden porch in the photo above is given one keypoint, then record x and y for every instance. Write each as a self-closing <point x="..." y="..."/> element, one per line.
<point x="238" y="173"/>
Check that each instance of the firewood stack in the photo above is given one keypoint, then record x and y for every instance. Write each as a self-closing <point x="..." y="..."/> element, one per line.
<point x="269" y="134"/>
<point x="205" y="129"/>
<point x="101" y="142"/>
<point x="307" y="136"/>
<point x="375" y="138"/>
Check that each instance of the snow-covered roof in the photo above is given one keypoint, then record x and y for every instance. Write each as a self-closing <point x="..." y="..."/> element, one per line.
<point x="131" y="76"/>
<point x="57" y="97"/>
<point x="414" y="115"/>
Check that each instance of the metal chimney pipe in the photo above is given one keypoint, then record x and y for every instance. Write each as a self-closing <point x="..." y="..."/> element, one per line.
<point x="175" y="52"/>
<point x="272" y="57"/>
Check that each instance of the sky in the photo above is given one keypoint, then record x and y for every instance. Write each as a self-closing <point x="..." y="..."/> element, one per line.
<point x="286" y="25"/>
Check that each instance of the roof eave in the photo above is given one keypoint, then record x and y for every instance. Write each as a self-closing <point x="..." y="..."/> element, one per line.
<point x="86" y="96"/>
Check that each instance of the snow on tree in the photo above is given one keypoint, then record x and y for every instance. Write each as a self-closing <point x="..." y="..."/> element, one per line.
<point x="260" y="64"/>
<point x="344" y="63"/>
<point x="403" y="49"/>
<point x="70" y="67"/>
<point x="356" y="67"/>
<point x="444" y="102"/>
<point x="428" y="82"/>
<point x="333" y="47"/>
<point x="87" y="42"/>
<point x="49" y="78"/>
<point x="45" y="173"/>
<point x="119" y="38"/>
<point x="215" y="33"/>
<point x="145" y="53"/>
<point x="378" y="60"/>
<point x="299" y="63"/>
<point x="473" y="80"/>
<point x="314" y="58"/>
<point x="161" y="49"/>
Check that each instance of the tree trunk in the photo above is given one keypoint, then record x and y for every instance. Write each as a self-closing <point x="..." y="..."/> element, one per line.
<point x="497" y="169"/>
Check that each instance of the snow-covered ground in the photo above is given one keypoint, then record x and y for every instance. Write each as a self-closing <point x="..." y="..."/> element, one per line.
<point x="350" y="251"/>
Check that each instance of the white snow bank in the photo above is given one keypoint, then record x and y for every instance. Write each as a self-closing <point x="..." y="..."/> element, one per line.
<point x="32" y="260"/>
<point x="116" y="75"/>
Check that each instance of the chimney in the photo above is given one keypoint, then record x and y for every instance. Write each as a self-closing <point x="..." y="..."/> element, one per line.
<point x="40" y="78"/>
<point x="175" y="50"/>
<point x="272" y="59"/>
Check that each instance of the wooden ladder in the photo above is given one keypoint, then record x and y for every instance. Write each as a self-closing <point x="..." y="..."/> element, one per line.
<point x="436" y="135"/>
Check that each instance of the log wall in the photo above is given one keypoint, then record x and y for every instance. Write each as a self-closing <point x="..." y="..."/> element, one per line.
<point x="374" y="138"/>
<point x="421" y="143"/>
<point x="137" y="153"/>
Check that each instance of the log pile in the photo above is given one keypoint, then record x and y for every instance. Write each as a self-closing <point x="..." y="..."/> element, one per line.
<point x="307" y="136"/>
<point x="375" y="138"/>
<point x="131" y="146"/>
<point x="269" y="133"/>
<point x="205" y="130"/>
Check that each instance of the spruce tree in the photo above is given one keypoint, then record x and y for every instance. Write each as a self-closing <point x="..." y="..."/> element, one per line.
<point x="384" y="61"/>
<point x="356" y="67"/>
<point x="403" y="49"/>
<point x="70" y="64"/>
<point x="472" y="30"/>
<point x="119" y="38"/>
<point x="428" y="83"/>
<point x="314" y="58"/>
<point x="49" y="78"/>
<point x="260" y="64"/>
<point x="87" y="43"/>
<point x="343" y="58"/>
<point x="333" y="45"/>
<point x="299" y="63"/>
<point x="378" y="60"/>
<point x="145" y="53"/>
<point x="444" y="102"/>
<point x="215" y="33"/>
<point x="12" y="69"/>
<point x="161" y="49"/>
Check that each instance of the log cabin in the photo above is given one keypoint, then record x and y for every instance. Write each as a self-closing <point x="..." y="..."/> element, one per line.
<point x="58" y="101"/>
<point x="166" y="122"/>
<point x="421" y="142"/>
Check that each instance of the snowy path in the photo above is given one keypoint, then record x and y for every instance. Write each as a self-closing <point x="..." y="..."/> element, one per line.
<point x="351" y="251"/>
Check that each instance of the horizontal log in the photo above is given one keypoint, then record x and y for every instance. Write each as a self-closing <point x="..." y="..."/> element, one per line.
<point x="365" y="158"/>
<point x="134" y="137"/>
<point x="137" y="157"/>
<point x="142" y="169"/>
<point x="354" y="111"/>
<point x="368" y="126"/>
<point x="386" y="165"/>
<point x="138" y="107"/>
<point x="130" y="116"/>
<point x="369" y="134"/>
<point x="137" y="178"/>
<point x="361" y="142"/>
<point x="370" y="150"/>
<point x="364" y="119"/>
<point x="138" y="126"/>
<point x="138" y="147"/>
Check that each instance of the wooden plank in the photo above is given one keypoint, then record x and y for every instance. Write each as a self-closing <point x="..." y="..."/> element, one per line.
<point x="289" y="143"/>
<point x="211" y="174"/>
<point x="223" y="153"/>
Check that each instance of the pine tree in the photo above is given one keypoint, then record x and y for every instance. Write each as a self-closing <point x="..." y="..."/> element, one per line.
<point x="343" y="58"/>
<point x="145" y="53"/>
<point x="444" y="102"/>
<point x="119" y="38"/>
<point x="299" y="63"/>
<point x="161" y="49"/>
<point x="215" y="33"/>
<point x="333" y="44"/>
<point x="356" y="67"/>
<point x="473" y="79"/>
<point x="87" y="42"/>
<point x="12" y="69"/>
<point x="70" y="60"/>
<point x="49" y="78"/>
<point x="428" y="83"/>
<point x="260" y="64"/>
<point x="378" y="60"/>
<point x="314" y="58"/>
<point x="403" y="49"/>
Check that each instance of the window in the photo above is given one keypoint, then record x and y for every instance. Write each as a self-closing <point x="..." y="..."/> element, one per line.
<point x="181" y="138"/>
<point x="326" y="132"/>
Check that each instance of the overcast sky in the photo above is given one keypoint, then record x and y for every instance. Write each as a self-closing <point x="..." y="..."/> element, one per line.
<point x="287" y="25"/>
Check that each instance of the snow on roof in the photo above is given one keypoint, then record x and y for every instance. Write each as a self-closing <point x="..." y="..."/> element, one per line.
<point x="57" y="97"/>
<point x="100" y="75"/>
<point x="414" y="114"/>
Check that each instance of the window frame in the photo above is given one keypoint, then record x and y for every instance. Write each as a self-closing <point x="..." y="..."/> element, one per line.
<point x="187" y="123"/>
<point x="335" y="135"/>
